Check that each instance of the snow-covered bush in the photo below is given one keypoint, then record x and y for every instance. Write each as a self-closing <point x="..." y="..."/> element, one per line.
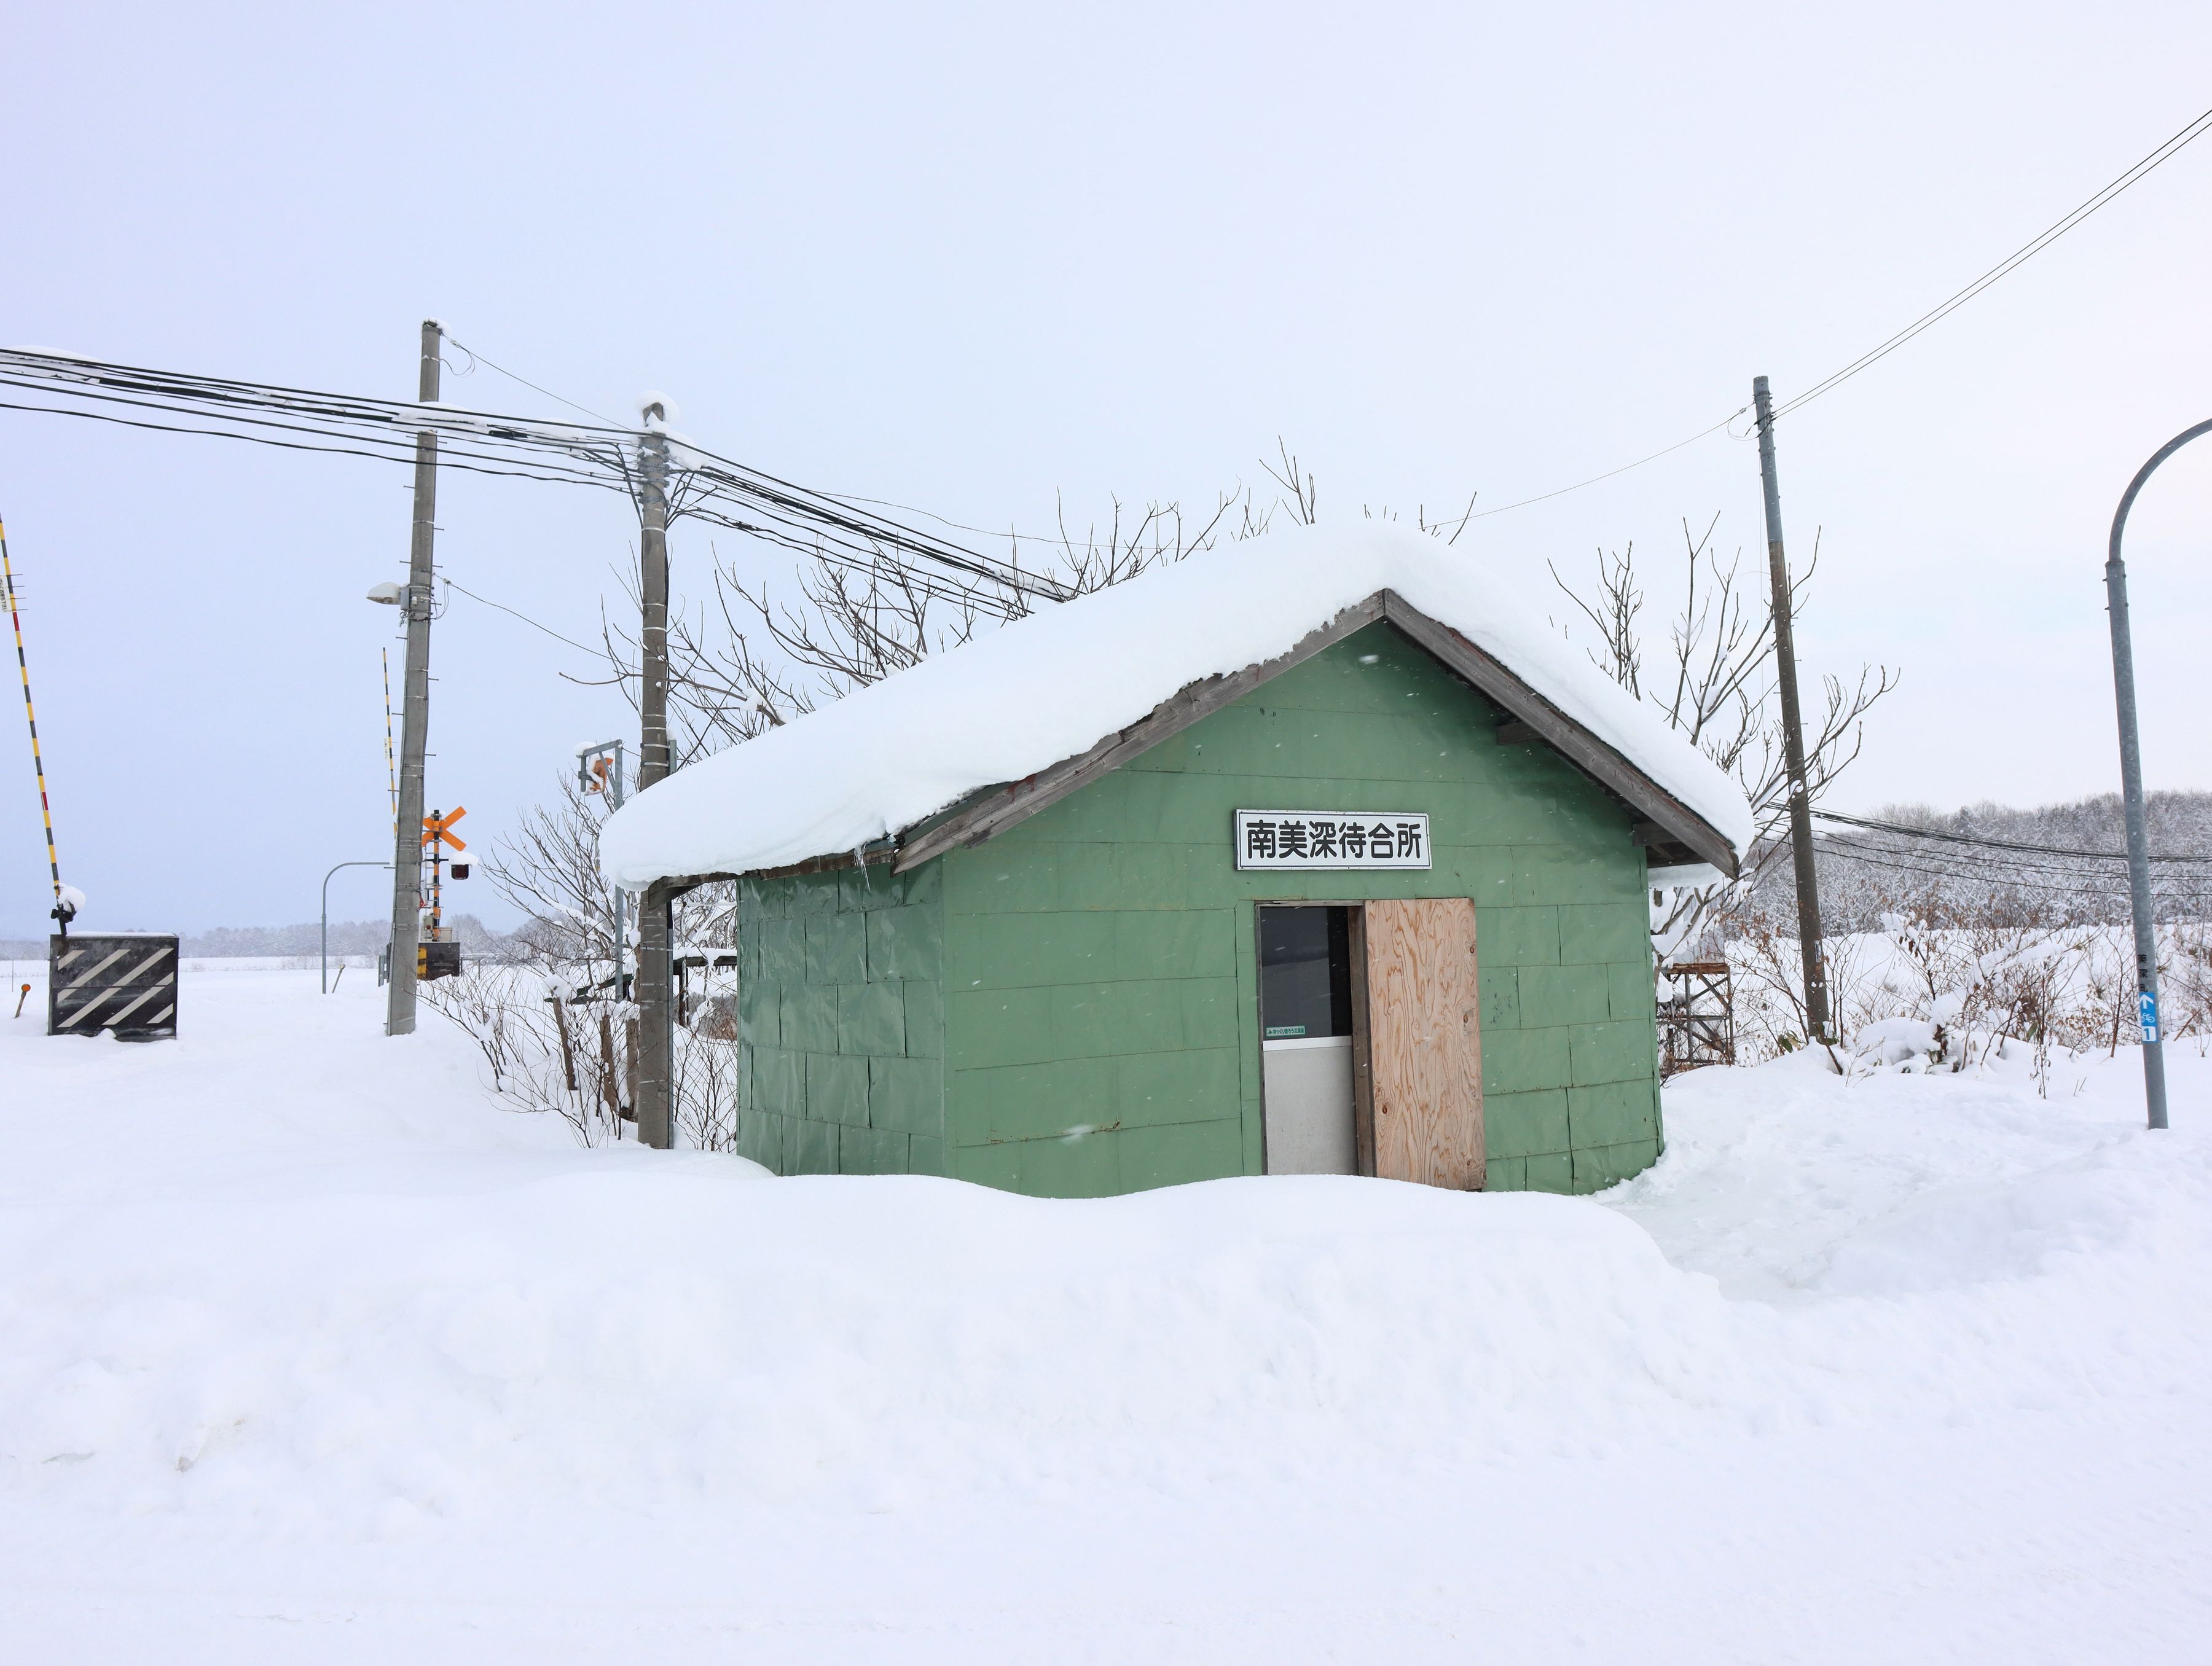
<point x="555" y="1037"/>
<point x="553" y="1045"/>
<point x="1948" y="982"/>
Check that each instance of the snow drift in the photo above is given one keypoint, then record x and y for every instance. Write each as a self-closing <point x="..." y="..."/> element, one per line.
<point x="312" y="1353"/>
<point x="1048" y="687"/>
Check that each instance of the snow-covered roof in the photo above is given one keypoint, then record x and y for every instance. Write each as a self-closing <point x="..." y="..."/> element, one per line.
<point x="1047" y="688"/>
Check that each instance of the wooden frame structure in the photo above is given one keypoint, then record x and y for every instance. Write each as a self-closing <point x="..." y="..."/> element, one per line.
<point x="1696" y="1022"/>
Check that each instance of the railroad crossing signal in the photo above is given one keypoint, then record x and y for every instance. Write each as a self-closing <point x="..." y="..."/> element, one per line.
<point x="438" y="829"/>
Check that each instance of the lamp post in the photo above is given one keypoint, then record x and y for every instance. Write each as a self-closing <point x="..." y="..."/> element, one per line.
<point x="2131" y="788"/>
<point x="326" y="915"/>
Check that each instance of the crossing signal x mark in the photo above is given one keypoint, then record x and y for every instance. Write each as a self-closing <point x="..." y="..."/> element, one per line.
<point x="439" y="829"/>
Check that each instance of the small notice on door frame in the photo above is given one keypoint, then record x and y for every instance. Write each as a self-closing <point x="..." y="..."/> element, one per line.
<point x="1332" y="839"/>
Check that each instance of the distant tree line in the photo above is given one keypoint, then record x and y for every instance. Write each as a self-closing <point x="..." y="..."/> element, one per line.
<point x="1866" y="874"/>
<point x="347" y="938"/>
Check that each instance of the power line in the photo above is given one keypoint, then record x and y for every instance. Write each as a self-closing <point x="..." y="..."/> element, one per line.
<point x="2011" y="263"/>
<point x="780" y="500"/>
<point x="518" y="614"/>
<point x="1991" y="844"/>
<point x="485" y="443"/>
<point x="2048" y="887"/>
<point x="1963" y="863"/>
<point x="2165" y="152"/>
<point x="1978" y="873"/>
<point x="445" y="458"/>
<point x="1983" y="870"/>
<point x="778" y="510"/>
<point x="1545" y="497"/>
<point x="477" y="358"/>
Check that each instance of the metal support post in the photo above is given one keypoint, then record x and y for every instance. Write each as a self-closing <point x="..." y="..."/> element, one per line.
<point x="326" y="914"/>
<point x="1793" y="733"/>
<point x="414" y="713"/>
<point x="2131" y="788"/>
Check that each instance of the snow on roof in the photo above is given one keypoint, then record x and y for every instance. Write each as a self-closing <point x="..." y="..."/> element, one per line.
<point x="1048" y="687"/>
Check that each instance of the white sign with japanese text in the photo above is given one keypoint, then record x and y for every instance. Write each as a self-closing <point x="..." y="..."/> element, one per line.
<point x="1332" y="839"/>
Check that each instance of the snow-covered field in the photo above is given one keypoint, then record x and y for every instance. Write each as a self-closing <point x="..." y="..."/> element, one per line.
<point x="307" y="1352"/>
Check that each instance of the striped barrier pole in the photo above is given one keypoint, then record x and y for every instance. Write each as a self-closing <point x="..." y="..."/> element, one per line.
<point x="63" y="911"/>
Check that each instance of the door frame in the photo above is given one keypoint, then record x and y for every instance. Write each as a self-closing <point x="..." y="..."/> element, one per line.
<point x="1363" y="1129"/>
<point x="1363" y="1057"/>
<point x="1363" y="1067"/>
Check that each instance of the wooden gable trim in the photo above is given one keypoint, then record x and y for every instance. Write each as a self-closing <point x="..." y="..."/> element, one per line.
<point x="871" y="856"/>
<point x="1001" y="808"/>
<point x="1669" y="829"/>
<point x="1673" y="824"/>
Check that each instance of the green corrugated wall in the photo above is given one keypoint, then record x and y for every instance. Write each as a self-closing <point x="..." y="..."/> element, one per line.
<point x="841" y="1027"/>
<point x="1095" y="964"/>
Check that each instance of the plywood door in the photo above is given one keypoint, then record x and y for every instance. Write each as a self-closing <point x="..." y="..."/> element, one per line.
<point x="1423" y="1052"/>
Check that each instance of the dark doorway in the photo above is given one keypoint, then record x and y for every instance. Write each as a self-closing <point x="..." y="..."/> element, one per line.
<point x="1306" y="1039"/>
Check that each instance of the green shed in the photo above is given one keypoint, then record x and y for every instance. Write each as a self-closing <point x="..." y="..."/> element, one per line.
<point x="1313" y="855"/>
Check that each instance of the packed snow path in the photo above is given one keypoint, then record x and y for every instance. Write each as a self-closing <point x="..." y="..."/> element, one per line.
<point x="314" y="1354"/>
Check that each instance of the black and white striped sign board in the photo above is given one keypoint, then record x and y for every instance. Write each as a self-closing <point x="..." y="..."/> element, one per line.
<point x="125" y="982"/>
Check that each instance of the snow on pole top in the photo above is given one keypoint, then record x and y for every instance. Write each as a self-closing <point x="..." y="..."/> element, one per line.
<point x="1048" y="687"/>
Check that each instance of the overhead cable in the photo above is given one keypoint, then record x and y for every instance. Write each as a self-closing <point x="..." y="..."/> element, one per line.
<point x="2189" y="134"/>
<point x="1899" y="828"/>
<point x="518" y="614"/>
<point x="477" y="358"/>
<point x="2011" y="263"/>
<point x="2076" y="885"/>
<point x="708" y="486"/>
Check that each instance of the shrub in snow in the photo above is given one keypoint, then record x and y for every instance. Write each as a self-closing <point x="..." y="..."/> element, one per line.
<point x="1952" y="982"/>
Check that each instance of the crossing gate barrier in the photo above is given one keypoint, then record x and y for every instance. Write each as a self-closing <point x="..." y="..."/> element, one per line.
<point x="124" y="982"/>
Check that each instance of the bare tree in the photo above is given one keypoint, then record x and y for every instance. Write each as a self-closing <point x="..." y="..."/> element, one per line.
<point x="547" y="871"/>
<point x="556" y="1033"/>
<point x="745" y="660"/>
<point x="1304" y="504"/>
<point x="1716" y="687"/>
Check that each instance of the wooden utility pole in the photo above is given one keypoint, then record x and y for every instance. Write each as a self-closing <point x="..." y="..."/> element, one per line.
<point x="1793" y="732"/>
<point x="654" y="1054"/>
<point x="414" y="713"/>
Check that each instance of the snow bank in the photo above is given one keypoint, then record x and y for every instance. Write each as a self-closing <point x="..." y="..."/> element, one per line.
<point x="1050" y="687"/>
<point x="315" y="1353"/>
<point x="369" y="1320"/>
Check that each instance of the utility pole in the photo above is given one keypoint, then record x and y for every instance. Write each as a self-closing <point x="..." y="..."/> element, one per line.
<point x="1793" y="732"/>
<point x="656" y="1109"/>
<point x="2132" y="787"/>
<point x="414" y="713"/>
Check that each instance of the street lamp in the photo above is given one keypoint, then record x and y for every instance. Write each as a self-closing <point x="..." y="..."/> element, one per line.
<point x="326" y="915"/>
<point x="2131" y="789"/>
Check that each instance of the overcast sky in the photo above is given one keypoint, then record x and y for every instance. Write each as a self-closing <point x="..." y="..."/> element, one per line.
<point x="970" y="259"/>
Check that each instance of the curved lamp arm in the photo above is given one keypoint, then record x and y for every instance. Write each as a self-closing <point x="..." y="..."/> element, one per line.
<point x="2131" y="788"/>
<point x="326" y="914"/>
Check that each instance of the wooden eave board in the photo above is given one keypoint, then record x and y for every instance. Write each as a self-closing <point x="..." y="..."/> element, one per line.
<point x="1489" y="677"/>
<point x="989" y="811"/>
<point x="1017" y="801"/>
